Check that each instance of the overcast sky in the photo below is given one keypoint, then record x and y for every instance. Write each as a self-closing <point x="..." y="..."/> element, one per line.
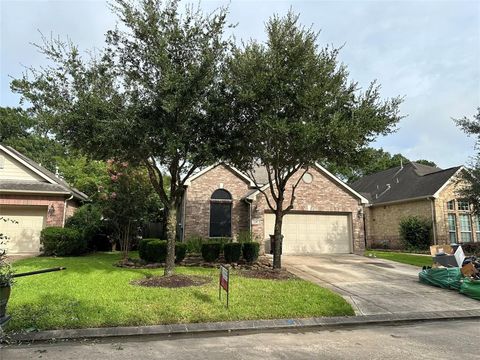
<point x="427" y="51"/>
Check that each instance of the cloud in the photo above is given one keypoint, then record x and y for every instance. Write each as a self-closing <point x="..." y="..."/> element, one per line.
<point x="427" y="51"/>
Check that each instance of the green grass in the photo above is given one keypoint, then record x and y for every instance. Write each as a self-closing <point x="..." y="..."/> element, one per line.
<point x="404" y="258"/>
<point x="94" y="293"/>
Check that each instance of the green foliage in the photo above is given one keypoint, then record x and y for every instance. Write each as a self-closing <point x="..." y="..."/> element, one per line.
<point x="142" y="247"/>
<point x="211" y="251"/>
<point x="155" y="251"/>
<point x="14" y="124"/>
<point x="62" y="242"/>
<point x="232" y="252"/>
<point x="194" y="244"/>
<point x="245" y="236"/>
<point x="222" y="241"/>
<point x="250" y="251"/>
<point x="415" y="232"/>
<point x="180" y="252"/>
<point x="404" y="258"/>
<point x="472" y="249"/>
<point x="87" y="220"/>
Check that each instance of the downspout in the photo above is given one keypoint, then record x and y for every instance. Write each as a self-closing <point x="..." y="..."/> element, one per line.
<point x="65" y="209"/>
<point x="434" y="222"/>
<point x="184" y="207"/>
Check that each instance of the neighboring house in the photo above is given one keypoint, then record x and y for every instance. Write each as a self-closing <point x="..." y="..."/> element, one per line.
<point x="221" y="201"/>
<point x="34" y="197"/>
<point x="416" y="190"/>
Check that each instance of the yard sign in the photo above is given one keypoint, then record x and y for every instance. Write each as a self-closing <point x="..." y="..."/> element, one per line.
<point x="224" y="282"/>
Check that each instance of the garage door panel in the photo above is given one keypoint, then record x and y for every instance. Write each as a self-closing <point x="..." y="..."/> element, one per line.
<point x="24" y="235"/>
<point x="313" y="233"/>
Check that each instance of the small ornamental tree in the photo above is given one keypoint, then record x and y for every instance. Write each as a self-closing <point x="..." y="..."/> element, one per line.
<point x="125" y="202"/>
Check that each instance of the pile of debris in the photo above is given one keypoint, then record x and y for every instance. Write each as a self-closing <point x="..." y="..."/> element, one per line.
<point x="452" y="270"/>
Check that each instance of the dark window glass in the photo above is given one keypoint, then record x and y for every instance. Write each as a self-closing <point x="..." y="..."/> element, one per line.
<point x="220" y="219"/>
<point x="221" y="194"/>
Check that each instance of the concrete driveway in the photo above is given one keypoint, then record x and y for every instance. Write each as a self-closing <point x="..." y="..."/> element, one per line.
<point x="376" y="286"/>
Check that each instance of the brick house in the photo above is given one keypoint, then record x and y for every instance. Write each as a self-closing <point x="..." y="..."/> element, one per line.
<point x="34" y="197"/>
<point x="416" y="190"/>
<point x="221" y="201"/>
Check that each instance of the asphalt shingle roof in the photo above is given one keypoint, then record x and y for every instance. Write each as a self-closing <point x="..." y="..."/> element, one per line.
<point x="411" y="181"/>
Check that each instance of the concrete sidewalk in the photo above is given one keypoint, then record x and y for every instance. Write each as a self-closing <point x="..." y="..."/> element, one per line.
<point x="375" y="286"/>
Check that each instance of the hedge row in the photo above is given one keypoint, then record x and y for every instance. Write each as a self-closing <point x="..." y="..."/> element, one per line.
<point x="155" y="250"/>
<point x="232" y="251"/>
<point x="59" y="241"/>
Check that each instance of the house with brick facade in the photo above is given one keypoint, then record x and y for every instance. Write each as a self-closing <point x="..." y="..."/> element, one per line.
<point x="418" y="190"/>
<point x="34" y="197"/>
<point x="221" y="201"/>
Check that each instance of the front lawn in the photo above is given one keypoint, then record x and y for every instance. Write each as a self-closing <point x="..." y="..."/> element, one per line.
<point x="94" y="293"/>
<point x="404" y="258"/>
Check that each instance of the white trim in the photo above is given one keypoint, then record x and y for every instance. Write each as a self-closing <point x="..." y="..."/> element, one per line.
<point x="35" y="192"/>
<point x="437" y="194"/>
<point x="363" y="200"/>
<point x="188" y="182"/>
<point x="27" y="165"/>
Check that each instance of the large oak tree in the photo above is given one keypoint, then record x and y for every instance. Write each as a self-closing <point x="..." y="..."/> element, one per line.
<point x="147" y="97"/>
<point x="295" y="105"/>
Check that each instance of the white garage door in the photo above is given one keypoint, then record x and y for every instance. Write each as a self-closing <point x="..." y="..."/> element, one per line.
<point x="24" y="236"/>
<point x="313" y="233"/>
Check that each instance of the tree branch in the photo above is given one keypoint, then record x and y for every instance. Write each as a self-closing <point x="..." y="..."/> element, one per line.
<point x="294" y="187"/>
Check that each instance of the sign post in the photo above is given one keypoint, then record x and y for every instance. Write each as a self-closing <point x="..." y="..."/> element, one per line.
<point x="224" y="282"/>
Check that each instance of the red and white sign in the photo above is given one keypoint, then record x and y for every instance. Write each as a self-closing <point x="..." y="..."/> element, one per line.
<point x="224" y="275"/>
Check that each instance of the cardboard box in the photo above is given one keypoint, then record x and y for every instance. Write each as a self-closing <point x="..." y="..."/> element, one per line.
<point x="441" y="249"/>
<point x="469" y="270"/>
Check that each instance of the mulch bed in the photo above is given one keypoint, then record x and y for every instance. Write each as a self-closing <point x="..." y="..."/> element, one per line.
<point x="174" y="281"/>
<point x="267" y="274"/>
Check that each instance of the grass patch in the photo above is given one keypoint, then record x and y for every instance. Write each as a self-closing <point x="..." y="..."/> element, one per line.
<point x="404" y="258"/>
<point x="94" y="293"/>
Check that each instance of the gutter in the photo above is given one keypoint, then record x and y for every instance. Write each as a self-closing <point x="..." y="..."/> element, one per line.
<point x="65" y="209"/>
<point x="35" y="192"/>
<point x="426" y="197"/>
<point x="434" y="222"/>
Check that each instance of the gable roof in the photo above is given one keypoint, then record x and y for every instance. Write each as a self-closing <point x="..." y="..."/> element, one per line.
<point x="251" y="194"/>
<point x="240" y="174"/>
<point x="412" y="181"/>
<point x="52" y="184"/>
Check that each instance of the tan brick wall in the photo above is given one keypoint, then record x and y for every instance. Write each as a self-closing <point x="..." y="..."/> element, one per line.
<point x="450" y="192"/>
<point x="321" y="195"/>
<point x="197" y="204"/>
<point x="54" y="218"/>
<point x="383" y="221"/>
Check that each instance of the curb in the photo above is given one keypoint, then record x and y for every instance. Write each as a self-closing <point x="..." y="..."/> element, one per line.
<point x="320" y="323"/>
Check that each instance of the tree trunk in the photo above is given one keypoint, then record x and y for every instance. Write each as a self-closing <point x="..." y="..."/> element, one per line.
<point x="277" y="233"/>
<point x="171" y="235"/>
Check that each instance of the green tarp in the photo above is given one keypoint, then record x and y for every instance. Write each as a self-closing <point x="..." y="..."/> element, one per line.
<point x="471" y="288"/>
<point x="447" y="278"/>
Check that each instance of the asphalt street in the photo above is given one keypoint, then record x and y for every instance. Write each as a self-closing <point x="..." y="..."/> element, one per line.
<point x="431" y="340"/>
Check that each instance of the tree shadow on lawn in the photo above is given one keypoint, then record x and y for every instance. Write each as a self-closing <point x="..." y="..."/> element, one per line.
<point x="202" y="296"/>
<point x="60" y="312"/>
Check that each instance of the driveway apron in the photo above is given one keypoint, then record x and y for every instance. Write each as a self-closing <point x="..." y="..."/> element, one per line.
<point x="376" y="286"/>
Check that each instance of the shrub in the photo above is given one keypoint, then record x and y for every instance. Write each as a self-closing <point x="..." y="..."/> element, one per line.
<point x="211" y="251"/>
<point x="180" y="252"/>
<point x="62" y="241"/>
<point x="232" y="252"/>
<point x="245" y="236"/>
<point x="415" y="232"/>
<point x="250" y="251"/>
<point x="471" y="249"/>
<point x="142" y="247"/>
<point x="87" y="220"/>
<point x="194" y="244"/>
<point x="155" y="251"/>
<point x="222" y="241"/>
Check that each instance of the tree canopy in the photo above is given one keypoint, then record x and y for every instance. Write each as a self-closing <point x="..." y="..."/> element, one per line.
<point x="292" y="104"/>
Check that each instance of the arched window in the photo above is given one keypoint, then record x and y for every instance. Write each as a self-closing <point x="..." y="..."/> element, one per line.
<point x="221" y="214"/>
